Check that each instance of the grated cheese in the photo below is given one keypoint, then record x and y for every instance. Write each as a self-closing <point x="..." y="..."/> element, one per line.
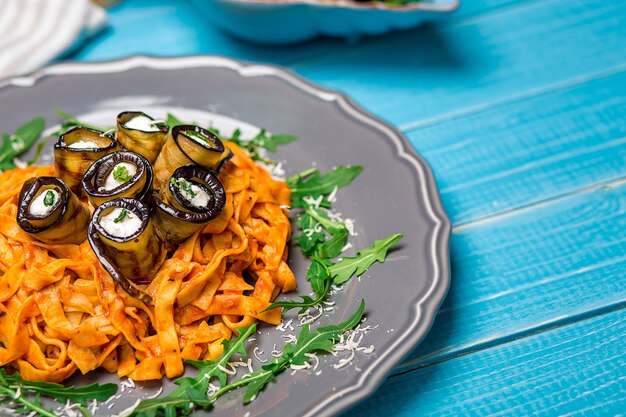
<point x="346" y="247"/>
<point x="332" y="197"/>
<point x="212" y="389"/>
<point x="160" y="390"/>
<point x="256" y="352"/>
<point x="275" y="353"/>
<point x="227" y="371"/>
<point x="350" y="342"/>
<point x="128" y="411"/>
<point x="19" y="163"/>
<point x="315" y="358"/>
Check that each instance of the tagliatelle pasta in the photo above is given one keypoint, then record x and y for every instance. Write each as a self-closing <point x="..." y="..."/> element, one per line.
<point x="60" y="311"/>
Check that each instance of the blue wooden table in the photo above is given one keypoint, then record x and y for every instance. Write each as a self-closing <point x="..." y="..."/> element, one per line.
<point x="519" y="106"/>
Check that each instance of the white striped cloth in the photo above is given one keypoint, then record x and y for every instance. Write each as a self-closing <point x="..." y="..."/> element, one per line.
<point x="34" y="32"/>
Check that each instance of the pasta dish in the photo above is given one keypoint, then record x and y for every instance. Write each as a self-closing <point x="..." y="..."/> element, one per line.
<point x="137" y="251"/>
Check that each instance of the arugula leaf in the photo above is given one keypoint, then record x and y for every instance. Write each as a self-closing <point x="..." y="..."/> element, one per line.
<point x="40" y="146"/>
<point x="70" y="122"/>
<point x="312" y="240"/>
<point x="263" y="140"/>
<point x="172" y="120"/>
<point x="337" y="229"/>
<point x="311" y="235"/>
<point x="322" y="339"/>
<point x="13" y="388"/>
<point x="121" y="174"/>
<point x="271" y="142"/>
<point x="322" y="273"/>
<point x="20" y="141"/>
<point x="191" y="392"/>
<point x="317" y="274"/>
<point x="311" y="183"/>
<point x="357" y="265"/>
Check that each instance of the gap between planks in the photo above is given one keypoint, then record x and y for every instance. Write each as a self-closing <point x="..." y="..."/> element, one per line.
<point x="532" y="93"/>
<point x="613" y="183"/>
<point x="422" y="362"/>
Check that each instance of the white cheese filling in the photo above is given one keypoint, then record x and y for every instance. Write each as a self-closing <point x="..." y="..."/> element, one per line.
<point x="198" y="137"/>
<point x="143" y="123"/>
<point x="200" y="199"/>
<point x="83" y="144"/>
<point x="124" y="227"/>
<point x="39" y="208"/>
<point x="111" y="182"/>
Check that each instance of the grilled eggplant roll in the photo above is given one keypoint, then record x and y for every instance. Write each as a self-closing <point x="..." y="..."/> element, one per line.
<point x="189" y="145"/>
<point x="51" y="213"/>
<point x="192" y="198"/>
<point x="76" y="150"/>
<point x="123" y="237"/>
<point x="140" y="133"/>
<point x="120" y="174"/>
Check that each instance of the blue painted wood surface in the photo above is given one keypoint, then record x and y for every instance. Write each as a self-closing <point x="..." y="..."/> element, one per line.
<point x="520" y="108"/>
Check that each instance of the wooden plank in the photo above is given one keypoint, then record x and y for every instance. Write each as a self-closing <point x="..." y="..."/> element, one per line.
<point x="429" y="72"/>
<point x="531" y="269"/>
<point x="528" y="150"/>
<point x="569" y="371"/>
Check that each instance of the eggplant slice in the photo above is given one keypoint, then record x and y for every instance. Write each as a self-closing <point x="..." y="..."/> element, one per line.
<point x="50" y="212"/>
<point x="189" y="145"/>
<point x="76" y="150"/>
<point x="124" y="239"/>
<point x="192" y="198"/>
<point x="119" y="174"/>
<point x="140" y="133"/>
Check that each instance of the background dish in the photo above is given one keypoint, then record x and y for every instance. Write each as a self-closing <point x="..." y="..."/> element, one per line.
<point x="402" y="295"/>
<point x="290" y="21"/>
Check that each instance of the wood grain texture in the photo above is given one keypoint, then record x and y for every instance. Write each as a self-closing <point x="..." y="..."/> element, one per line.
<point x="526" y="151"/>
<point x="578" y="370"/>
<point x="518" y="105"/>
<point x="432" y="72"/>
<point x="544" y="266"/>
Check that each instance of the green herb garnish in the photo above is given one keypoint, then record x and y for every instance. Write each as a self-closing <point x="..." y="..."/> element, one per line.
<point x="192" y="392"/>
<point x="70" y="122"/>
<point x="172" y="120"/>
<point x="14" y="145"/>
<point x="123" y="214"/>
<point x="322" y="272"/>
<point x="24" y="395"/>
<point x="195" y="135"/>
<point x="254" y="146"/>
<point x="183" y="186"/>
<point x="324" y="235"/>
<point x="121" y="174"/>
<point x="312" y="184"/>
<point x="48" y="199"/>
<point x="322" y="339"/>
<point x="262" y="140"/>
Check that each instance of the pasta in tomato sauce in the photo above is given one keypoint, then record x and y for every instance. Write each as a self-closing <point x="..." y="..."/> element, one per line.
<point x="61" y="312"/>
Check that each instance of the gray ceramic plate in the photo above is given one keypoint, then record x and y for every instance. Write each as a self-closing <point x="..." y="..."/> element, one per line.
<point x="395" y="193"/>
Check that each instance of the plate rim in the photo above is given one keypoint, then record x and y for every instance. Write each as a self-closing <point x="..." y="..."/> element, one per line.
<point x="426" y="307"/>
